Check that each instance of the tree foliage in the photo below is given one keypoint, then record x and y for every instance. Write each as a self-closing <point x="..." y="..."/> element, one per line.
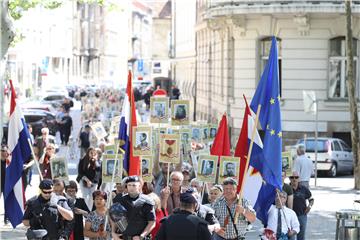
<point x="17" y="7"/>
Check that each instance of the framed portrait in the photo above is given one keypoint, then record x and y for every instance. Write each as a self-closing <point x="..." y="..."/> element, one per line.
<point x="114" y="126"/>
<point x="159" y="109"/>
<point x="146" y="168"/>
<point x="205" y="130"/>
<point x="212" y="132"/>
<point x="142" y="140"/>
<point x="109" y="149"/>
<point x="185" y="136"/>
<point x="229" y="167"/>
<point x="196" y="133"/>
<point x="108" y="165"/>
<point x="180" y="112"/>
<point x="287" y="162"/>
<point x="99" y="130"/>
<point x="207" y="168"/>
<point x="169" y="148"/>
<point x="59" y="168"/>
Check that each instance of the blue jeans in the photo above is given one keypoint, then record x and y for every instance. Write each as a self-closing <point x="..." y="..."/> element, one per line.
<point x="302" y="220"/>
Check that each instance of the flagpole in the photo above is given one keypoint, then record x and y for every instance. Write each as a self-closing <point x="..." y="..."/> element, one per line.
<point x="35" y="160"/>
<point x="112" y="182"/>
<point x="248" y="158"/>
<point x="282" y="209"/>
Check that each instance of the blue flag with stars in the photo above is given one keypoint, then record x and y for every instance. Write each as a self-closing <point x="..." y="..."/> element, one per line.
<point x="268" y="96"/>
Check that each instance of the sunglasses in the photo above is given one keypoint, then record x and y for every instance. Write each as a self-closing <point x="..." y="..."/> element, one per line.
<point x="293" y="177"/>
<point x="46" y="192"/>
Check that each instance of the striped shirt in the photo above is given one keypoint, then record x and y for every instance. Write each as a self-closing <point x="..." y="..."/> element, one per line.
<point x="222" y="213"/>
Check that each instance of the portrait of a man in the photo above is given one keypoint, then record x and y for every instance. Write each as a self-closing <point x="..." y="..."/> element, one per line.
<point x="59" y="170"/>
<point x="110" y="164"/>
<point x="141" y="140"/>
<point x="159" y="109"/>
<point x="144" y="166"/>
<point x="180" y="111"/>
<point x="185" y="137"/>
<point x="205" y="133"/>
<point x="207" y="167"/>
<point x="229" y="169"/>
<point x="196" y="134"/>
<point x="212" y="132"/>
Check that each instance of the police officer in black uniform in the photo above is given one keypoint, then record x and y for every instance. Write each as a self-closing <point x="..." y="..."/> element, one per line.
<point x="48" y="211"/>
<point x="140" y="211"/>
<point x="184" y="224"/>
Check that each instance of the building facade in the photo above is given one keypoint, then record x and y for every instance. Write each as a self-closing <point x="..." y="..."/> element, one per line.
<point x="232" y="45"/>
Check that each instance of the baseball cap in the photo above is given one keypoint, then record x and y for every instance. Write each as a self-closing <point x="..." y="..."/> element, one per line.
<point x="132" y="179"/>
<point x="46" y="184"/>
<point x="187" y="197"/>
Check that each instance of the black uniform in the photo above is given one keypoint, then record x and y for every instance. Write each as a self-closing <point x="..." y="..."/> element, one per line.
<point x="183" y="225"/>
<point x="42" y="215"/>
<point x="140" y="211"/>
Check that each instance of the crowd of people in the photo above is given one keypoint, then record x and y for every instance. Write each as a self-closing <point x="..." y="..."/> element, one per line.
<point x="175" y="205"/>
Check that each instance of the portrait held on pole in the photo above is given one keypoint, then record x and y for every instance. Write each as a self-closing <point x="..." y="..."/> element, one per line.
<point x="159" y="109"/>
<point x="207" y="168"/>
<point x="169" y="148"/>
<point x="146" y="168"/>
<point x="180" y="112"/>
<point x="142" y="141"/>
<point x="196" y="133"/>
<point x="287" y="162"/>
<point x="99" y="130"/>
<point x="108" y="164"/>
<point x="59" y="168"/>
<point x="212" y="133"/>
<point x="229" y="167"/>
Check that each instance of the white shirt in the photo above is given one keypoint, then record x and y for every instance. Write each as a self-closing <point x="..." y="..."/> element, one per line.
<point x="304" y="166"/>
<point x="289" y="221"/>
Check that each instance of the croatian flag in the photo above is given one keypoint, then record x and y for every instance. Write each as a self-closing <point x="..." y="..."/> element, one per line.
<point x="131" y="163"/>
<point x="250" y="186"/>
<point x="20" y="152"/>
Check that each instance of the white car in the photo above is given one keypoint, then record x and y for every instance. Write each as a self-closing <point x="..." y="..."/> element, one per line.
<point x="334" y="155"/>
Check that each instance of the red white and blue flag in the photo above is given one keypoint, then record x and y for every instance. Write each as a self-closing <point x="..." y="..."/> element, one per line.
<point x="18" y="143"/>
<point x="127" y="122"/>
<point x="251" y="185"/>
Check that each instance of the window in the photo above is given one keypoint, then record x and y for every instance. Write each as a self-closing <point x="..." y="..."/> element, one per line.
<point x="265" y="45"/>
<point x="336" y="146"/>
<point x="345" y="147"/>
<point x="337" y="67"/>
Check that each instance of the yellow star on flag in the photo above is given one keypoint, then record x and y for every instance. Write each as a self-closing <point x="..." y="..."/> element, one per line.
<point x="279" y="134"/>
<point x="278" y="97"/>
<point x="272" y="132"/>
<point x="272" y="101"/>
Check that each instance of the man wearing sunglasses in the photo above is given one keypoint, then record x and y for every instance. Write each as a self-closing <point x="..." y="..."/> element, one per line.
<point x="48" y="211"/>
<point x="302" y="203"/>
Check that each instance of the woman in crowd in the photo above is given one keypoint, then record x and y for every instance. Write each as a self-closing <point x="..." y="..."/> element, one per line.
<point x="89" y="171"/>
<point x="215" y="192"/>
<point x="95" y="222"/>
<point x="45" y="159"/>
<point x="159" y="212"/>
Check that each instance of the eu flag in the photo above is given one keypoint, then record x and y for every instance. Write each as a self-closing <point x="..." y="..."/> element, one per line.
<point x="268" y="96"/>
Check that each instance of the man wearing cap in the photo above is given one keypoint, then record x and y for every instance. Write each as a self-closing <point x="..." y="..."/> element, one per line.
<point x="226" y="208"/>
<point x="140" y="211"/>
<point x="302" y="203"/>
<point x="48" y="211"/>
<point x="184" y="224"/>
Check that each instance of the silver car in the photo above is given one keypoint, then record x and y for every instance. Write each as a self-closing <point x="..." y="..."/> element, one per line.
<point x="334" y="155"/>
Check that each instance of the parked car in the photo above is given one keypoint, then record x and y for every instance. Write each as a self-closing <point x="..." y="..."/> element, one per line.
<point x="334" y="155"/>
<point x="39" y="119"/>
<point x="39" y="105"/>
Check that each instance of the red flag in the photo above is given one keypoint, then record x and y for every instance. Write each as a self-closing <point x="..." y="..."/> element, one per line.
<point x="134" y="162"/>
<point x="221" y="145"/>
<point x="242" y="146"/>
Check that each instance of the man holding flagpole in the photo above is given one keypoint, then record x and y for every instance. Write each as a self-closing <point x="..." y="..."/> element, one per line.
<point x="20" y="152"/>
